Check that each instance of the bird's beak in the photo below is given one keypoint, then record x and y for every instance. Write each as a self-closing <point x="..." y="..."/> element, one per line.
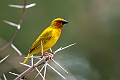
<point x="65" y="22"/>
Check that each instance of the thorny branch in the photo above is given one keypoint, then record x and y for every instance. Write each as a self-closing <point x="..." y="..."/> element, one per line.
<point x="43" y="60"/>
<point x="16" y="33"/>
<point x="30" y="69"/>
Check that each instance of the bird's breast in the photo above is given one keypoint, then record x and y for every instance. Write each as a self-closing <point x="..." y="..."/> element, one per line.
<point x="54" y="37"/>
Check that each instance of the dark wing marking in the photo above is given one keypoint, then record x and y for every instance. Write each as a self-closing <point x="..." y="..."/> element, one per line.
<point x="44" y="38"/>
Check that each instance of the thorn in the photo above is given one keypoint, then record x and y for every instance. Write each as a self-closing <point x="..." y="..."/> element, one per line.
<point x="32" y="63"/>
<point x="40" y="73"/>
<point x="51" y="50"/>
<point x="13" y="73"/>
<point x="30" y="5"/>
<point x="59" y="65"/>
<point x="4" y="77"/>
<point x="16" y="49"/>
<point x="61" y="48"/>
<point x="42" y="48"/>
<point x="56" y="71"/>
<point x="19" y="6"/>
<point x="25" y="64"/>
<point x="4" y="58"/>
<point x="45" y="68"/>
<point x="12" y="24"/>
<point x="38" y="57"/>
<point x="40" y="70"/>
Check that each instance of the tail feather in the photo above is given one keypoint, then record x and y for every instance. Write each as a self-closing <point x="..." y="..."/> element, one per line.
<point x="25" y="60"/>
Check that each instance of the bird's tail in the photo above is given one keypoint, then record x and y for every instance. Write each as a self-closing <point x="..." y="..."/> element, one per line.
<point x="27" y="58"/>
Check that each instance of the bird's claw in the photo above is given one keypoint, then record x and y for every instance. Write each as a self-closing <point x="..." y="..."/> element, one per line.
<point x="49" y="55"/>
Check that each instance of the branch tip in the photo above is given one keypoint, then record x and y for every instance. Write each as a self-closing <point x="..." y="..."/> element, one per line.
<point x="4" y="58"/>
<point x="5" y="21"/>
<point x="4" y="77"/>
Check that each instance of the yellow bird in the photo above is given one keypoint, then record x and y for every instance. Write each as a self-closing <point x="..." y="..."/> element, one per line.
<point x="48" y="38"/>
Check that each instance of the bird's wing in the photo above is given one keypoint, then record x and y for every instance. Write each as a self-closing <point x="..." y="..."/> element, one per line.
<point x="44" y="37"/>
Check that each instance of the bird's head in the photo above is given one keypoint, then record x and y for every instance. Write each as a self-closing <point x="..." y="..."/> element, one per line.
<point x="58" y="22"/>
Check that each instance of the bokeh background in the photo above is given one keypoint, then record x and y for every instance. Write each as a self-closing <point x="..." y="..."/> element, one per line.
<point x="94" y="25"/>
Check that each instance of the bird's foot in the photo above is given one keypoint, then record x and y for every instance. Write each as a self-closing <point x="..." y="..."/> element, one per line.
<point x="49" y="55"/>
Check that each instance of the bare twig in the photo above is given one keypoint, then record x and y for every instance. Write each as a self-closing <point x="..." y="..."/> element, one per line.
<point x="29" y="70"/>
<point x="16" y="33"/>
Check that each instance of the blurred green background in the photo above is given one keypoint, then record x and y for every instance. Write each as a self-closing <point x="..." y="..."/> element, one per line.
<point x="94" y="25"/>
